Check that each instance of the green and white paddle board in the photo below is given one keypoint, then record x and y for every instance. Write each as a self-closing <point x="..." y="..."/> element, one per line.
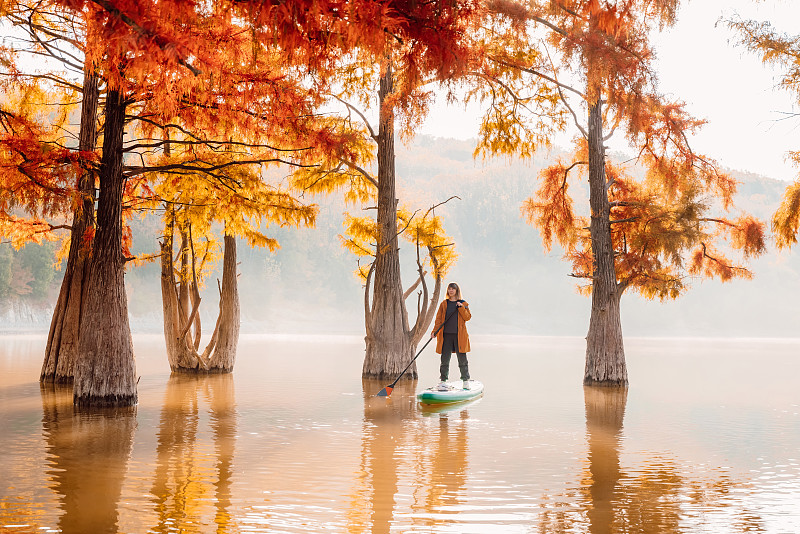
<point x="455" y="392"/>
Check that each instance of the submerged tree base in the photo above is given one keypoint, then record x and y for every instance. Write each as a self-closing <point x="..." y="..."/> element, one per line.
<point x="200" y="371"/>
<point x="58" y="380"/>
<point x="388" y="359"/>
<point x="408" y="375"/>
<point x="111" y="401"/>
<point x="605" y="383"/>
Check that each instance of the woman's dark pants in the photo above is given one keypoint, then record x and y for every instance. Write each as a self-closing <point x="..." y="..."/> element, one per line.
<point x="449" y="346"/>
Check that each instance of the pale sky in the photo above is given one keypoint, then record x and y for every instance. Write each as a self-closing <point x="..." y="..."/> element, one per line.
<point x="720" y="82"/>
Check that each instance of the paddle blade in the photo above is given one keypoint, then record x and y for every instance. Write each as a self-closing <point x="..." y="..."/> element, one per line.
<point x="385" y="392"/>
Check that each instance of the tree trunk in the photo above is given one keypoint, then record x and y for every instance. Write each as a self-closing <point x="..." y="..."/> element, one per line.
<point x="229" y="320"/>
<point x="426" y="308"/>
<point x="605" y="353"/>
<point x="175" y="315"/>
<point x="388" y="341"/>
<point x="62" y="340"/>
<point x="105" y="373"/>
<point x="220" y="354"/>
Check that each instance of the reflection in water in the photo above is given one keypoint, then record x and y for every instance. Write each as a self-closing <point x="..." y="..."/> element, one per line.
<point x="186" y="479"/>
<point x="657" y="498"/>
<point x="404" y="455"/>
<point x="88" y="454"/>
<point x="386" y="422"/>
<point x="447" y="475"/>
<point x="605" y="410"/>
<point x="313" y="453"/>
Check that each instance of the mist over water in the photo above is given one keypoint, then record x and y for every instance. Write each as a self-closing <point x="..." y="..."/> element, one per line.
<point x="706" y="439"/>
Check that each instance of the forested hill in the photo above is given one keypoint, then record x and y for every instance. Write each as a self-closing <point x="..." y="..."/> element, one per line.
<point x="513" y="286"/>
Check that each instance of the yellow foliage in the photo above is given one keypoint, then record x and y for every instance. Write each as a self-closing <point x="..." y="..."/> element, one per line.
<point x="786" y="220"/>
<point x="522" y="114"/>
<point x="331" y="173"/>
<point x="20" y="231"/>
<point x="425" y="232"/>
<point x="202" y="188"/>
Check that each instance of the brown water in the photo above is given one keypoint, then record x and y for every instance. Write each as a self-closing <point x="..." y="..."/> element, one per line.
<point x="706" y="439"/>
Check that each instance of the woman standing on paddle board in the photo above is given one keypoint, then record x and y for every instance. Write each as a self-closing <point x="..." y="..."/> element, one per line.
<point x="453" y="337"/>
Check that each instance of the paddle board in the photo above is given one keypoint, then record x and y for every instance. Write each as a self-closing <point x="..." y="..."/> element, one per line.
<point x="455" y="392"/>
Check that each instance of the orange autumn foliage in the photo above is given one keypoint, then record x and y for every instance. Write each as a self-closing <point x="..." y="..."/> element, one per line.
<point x="38" y="173"/>
<point x="783" y="51"/>
<point x="661" y="217"/>
<point x="246" y="71"/>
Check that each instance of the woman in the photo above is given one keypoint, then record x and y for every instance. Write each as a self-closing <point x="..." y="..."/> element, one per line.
<point x="453" y="337"/>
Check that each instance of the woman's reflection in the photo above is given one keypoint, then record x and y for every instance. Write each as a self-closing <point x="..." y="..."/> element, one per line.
<point x="188" y="478"/>
<point x="88" y="453"/>
<point x="447" y="470"/>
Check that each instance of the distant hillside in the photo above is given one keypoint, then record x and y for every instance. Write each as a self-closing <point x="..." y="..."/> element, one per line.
<point x="513" y="286"/>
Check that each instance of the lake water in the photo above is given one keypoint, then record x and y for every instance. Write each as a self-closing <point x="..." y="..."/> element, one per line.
<point x="706" y="439"/>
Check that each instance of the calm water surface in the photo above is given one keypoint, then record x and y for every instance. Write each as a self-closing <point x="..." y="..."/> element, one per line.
<point x="706" y="439"/>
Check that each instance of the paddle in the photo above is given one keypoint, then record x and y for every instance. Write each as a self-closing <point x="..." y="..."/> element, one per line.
<point x="385" y="392"/>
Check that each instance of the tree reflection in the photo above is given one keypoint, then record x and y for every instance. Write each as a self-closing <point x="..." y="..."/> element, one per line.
<point x="385" y="427"/>
<point x="655" y="497"/>
<point x="187" y="478"/>
<point x="88" y="453"/>
<point x="605" y="411"/>
<point x="405" y="455"/>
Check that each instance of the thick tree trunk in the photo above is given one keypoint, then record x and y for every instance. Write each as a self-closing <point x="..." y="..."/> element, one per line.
<point x="229" y="319"/>
<point x="605" y="353"/>
<point x="62" y="341"/>
<point x="182" y="354"/>
<point x="388" y="341"/>
<point x="105" y="373"/>
<point x="605" y="411"/>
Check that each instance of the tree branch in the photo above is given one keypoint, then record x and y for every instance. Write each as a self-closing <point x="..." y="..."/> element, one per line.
<point x="539" y="74"/>
<point x="209" y="169"/>
<point x="360" y="114"/>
